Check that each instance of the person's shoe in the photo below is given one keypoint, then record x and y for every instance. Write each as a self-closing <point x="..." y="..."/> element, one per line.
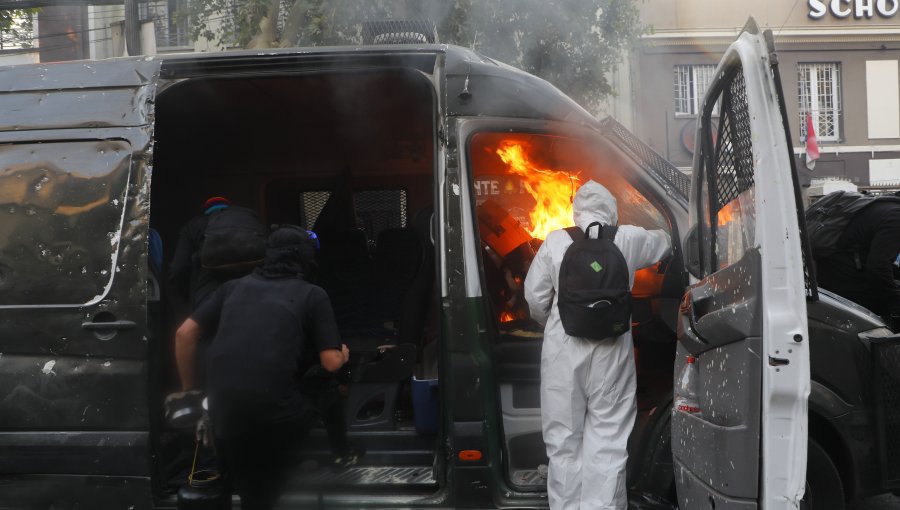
<point x="348" y="460"/>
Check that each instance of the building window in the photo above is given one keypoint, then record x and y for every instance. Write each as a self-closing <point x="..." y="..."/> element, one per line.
<point x="819" y="91"/>
<point x="691" y="82"/>
<point x="169" y="21"/>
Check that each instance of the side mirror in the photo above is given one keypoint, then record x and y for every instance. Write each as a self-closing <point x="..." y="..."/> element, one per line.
<point x="692" y="253"/>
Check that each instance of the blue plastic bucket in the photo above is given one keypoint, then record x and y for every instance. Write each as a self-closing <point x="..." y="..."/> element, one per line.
<point x="425" y="405"/>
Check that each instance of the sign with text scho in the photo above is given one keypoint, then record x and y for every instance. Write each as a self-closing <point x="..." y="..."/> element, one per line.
<point x="859" y="9"/>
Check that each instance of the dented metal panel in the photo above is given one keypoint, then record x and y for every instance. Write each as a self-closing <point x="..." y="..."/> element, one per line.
<point x="132" y="73"/>
<point x="76" y="95"/>
<point x="70" y="109"/>
<point x="73" y="268"/>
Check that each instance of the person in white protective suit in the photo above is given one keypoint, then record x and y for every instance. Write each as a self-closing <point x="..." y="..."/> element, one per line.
<point x="587" y="386"/>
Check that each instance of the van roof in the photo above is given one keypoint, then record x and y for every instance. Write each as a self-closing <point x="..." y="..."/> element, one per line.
<point x="475" y="84"/>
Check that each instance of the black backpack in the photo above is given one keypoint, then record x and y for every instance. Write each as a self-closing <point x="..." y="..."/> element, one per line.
<point x="234" y="240"/>
<point x="827" y="218"/>
<point x="594" y="296"/>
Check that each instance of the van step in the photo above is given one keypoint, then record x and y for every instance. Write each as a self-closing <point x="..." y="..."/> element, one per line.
<point x="394" y="448"/>
<point x="369" y="476"/>
<point x="529" y="478"/>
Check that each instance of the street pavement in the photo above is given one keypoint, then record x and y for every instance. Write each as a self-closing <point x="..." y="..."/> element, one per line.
<point x="887" y="502"/>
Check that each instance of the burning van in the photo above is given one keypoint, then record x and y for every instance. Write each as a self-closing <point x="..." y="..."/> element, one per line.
<point x="431" y="175"/>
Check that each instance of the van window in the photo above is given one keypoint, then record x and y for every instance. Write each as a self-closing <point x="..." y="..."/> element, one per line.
<point x="375" y="210"/>
<point x="734" y="209"/>
<point x="735" y="229"/>
<point x="380" y="209"/>
<point x="523" y="188"/>
<point x="62" y="207"/>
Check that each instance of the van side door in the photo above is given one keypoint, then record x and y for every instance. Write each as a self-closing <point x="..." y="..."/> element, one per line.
<point x="745" y="319"/>
<point x="75" y="147"/>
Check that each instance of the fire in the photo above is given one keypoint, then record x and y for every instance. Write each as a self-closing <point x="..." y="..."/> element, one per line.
<point x="552" y="190"/>
<point x="726" y="214"/>
<point x="507" y="317"/>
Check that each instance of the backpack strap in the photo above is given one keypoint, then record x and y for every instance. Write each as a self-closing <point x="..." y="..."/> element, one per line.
<point x="575" y="233"/>
<point x="606" y="232"/>
<point x="609" y="232"/>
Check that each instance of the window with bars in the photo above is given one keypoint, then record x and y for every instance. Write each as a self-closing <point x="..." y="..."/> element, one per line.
<point x="169" y="21"/>
<point x="691" y="82"/>
<point x="819" y="92"/>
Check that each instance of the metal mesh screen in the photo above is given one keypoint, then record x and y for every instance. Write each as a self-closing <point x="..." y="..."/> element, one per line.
<point x="399" y="32"/>
<point x="378" y="210"/>
<point x="886" y="365"/>
<point x="734" y="148"/>
<point x="665" y="172"/>
<point x="311" y="205"/>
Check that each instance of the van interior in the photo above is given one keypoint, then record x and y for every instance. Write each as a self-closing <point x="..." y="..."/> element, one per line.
<point x="321" y="151"/>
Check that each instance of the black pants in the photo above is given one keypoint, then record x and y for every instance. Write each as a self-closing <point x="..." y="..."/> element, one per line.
<point x="258" y="458"/>
<point x="322" y="391"/>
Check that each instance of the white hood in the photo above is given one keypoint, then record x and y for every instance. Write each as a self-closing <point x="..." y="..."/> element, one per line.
<point x="593" y="202"/>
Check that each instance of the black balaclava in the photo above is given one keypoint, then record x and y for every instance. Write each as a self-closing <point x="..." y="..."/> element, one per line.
<point x="290" y="251"/>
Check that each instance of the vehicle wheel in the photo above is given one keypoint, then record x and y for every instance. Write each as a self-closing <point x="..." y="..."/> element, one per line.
<point x="824" y="489"/>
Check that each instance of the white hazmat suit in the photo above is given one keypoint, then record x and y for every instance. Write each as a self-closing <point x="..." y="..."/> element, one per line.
<point x="587" y="386"/>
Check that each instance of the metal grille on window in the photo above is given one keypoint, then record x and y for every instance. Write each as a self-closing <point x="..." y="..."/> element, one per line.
<point x="691" y="82"/>
<point x="378" y="210"/>
<point x="819" y="94"/>
<point x="683" y="88"/>
<point x="169" y="21"/>
<point x="664" y="171"/>
<point x="886" y="365"/>
<point x="311" y="205"/>
<point x="734" y="150"/>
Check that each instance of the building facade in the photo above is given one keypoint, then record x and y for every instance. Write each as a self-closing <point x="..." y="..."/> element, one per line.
<point x="76" y="31"/>
<point x="838" y="62"/>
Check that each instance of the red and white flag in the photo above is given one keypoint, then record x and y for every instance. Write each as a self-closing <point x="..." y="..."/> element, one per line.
<point x="812" y="148"/>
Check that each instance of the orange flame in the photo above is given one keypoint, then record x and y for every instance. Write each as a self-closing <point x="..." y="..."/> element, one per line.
<point x="507" y="317"/>
<point x="552" y="190"/>
<point x="727" y="214"/>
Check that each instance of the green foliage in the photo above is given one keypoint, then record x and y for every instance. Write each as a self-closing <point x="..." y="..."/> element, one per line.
<point x="573" y="44"/>
<point x="17" y="28"/>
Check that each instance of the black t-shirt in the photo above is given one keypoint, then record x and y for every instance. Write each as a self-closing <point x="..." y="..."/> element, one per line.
<point x="265" y="327"/>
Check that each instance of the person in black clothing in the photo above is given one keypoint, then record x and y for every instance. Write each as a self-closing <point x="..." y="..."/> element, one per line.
<point x="265" y="322"/>
<point x="190" y="279"/>
<point x="863" y="268"/>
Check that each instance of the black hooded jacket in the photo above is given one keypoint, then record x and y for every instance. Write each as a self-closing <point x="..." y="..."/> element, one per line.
<point x="863" y="269"/>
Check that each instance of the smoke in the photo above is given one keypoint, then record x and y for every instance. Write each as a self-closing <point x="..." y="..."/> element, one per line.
<point x="574" y="44"/>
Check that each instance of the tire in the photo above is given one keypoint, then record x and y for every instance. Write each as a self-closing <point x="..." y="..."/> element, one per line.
<point x="824" y="488"/>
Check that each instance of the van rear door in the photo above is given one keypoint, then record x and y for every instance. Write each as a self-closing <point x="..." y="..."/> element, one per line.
<point x="75" y="142"/>
<point x="745" y="319"/>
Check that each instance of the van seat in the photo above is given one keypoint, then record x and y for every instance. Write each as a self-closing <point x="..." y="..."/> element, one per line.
<point x="345" y="272"/>
<point x="398" y="257"/>
<point x="414" y="308"/>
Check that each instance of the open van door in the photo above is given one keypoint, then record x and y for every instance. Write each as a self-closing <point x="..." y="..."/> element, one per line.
<point x="75" y="147"/>
<point x="744" y="319"/>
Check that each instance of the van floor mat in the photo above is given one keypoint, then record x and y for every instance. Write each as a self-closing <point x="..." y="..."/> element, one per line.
<point x="529" y="478"/>
<point x="369" y="476"/>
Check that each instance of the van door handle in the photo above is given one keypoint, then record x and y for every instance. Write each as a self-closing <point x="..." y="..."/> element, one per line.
<point x="106" y="326"/>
